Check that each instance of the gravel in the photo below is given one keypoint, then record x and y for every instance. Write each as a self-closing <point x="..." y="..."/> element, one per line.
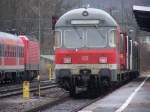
<point x="18" y="104"/>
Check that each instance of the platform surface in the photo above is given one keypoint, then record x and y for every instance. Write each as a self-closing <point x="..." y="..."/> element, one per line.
<point x="132" y="97"/>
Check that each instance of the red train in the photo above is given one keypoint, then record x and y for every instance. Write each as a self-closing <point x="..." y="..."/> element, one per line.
<point x="19" y="58"/>
<point x="92" y="53"/>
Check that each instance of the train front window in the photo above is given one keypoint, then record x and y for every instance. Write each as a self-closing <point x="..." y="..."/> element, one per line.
<point x="112" y="38"/>
<point x="57" y="39"/>
<point x="73" y="38"/>
<point x="96" y="37"/>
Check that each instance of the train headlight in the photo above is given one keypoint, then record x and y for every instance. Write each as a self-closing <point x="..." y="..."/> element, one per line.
<point x="102" y="59"/>
<point x="67" y="60"/>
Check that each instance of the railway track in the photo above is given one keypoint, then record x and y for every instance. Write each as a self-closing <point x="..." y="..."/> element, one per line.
<point x="54" y="99"/>
<point x="68" y="104"/>
<point x="17" y="89"/>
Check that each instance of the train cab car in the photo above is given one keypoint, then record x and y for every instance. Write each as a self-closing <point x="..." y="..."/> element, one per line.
<point x="11" y="56"/>
<point x="90" y="52"/>
<point x="19" y="58"/>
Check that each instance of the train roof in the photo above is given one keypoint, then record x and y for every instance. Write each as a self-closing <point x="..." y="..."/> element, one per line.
<point x="8" y="36"/>
<point x="92" y="13"/>
<point x="10" y="39"/>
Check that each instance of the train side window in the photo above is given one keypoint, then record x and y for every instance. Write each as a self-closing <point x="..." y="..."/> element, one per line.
<point x="18" y="51"/>
<point x="8" y="50"/>
<point x="5" y="55"/>
<point x="58" y="39"/>
<point x="14" y="51"/>
<point x="112" y="38"/>
<point x="0" y="50"/>
<point x="3" y="50"/>
<point x="11" y="51"/>
<point x="122" y="43"/>
<point x="22" y="52"/>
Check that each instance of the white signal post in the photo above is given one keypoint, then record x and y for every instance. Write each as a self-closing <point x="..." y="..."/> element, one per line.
<point x="39" y="87"/>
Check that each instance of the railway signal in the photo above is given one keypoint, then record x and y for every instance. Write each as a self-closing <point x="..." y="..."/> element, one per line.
<point x="54" y="20"/>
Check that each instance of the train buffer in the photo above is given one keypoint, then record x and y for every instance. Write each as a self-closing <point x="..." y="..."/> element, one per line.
<point x="133" y="97"/>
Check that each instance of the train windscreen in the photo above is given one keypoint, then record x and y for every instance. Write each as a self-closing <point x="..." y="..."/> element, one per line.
<point x="73" y="38"/>
<point x="85" y="37"/>
<point x="96" y="37"/>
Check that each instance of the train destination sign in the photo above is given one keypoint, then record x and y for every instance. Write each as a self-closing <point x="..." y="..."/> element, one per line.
<point x="84" y="22"/>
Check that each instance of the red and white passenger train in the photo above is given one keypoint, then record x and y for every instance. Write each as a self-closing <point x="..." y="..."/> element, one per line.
<point x="91" y="52"/>
<point x="19" y="57"/>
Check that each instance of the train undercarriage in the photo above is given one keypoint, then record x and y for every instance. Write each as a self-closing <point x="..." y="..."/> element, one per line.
<point x="94" y="84"/>
<point x="17" y="76"/>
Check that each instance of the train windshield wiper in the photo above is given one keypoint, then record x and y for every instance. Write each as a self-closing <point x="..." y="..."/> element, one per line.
<point x="80" y="37"/>
<point x="96" y="27"/>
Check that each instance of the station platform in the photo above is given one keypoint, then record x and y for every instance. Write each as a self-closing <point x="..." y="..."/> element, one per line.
<point x="132" y="97"/>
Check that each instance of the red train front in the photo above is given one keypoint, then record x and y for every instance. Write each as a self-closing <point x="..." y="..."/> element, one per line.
<point x="90" y="51"/>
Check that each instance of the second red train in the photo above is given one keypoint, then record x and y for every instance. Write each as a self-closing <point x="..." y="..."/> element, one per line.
<point x="19" y="58"/>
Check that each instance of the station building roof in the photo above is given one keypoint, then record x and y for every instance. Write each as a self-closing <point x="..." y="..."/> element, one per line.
<point x="142" y="15"/>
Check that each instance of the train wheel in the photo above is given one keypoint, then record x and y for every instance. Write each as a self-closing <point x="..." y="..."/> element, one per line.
<point x="14" y="77"/>
<point x="99" y="85"/>
<point x="94" y="87"/>
<point x="106" y="84"/>
<point x="2" y="77"/>
<point x="73" y="90"/>
<point x="65" y="84"/>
